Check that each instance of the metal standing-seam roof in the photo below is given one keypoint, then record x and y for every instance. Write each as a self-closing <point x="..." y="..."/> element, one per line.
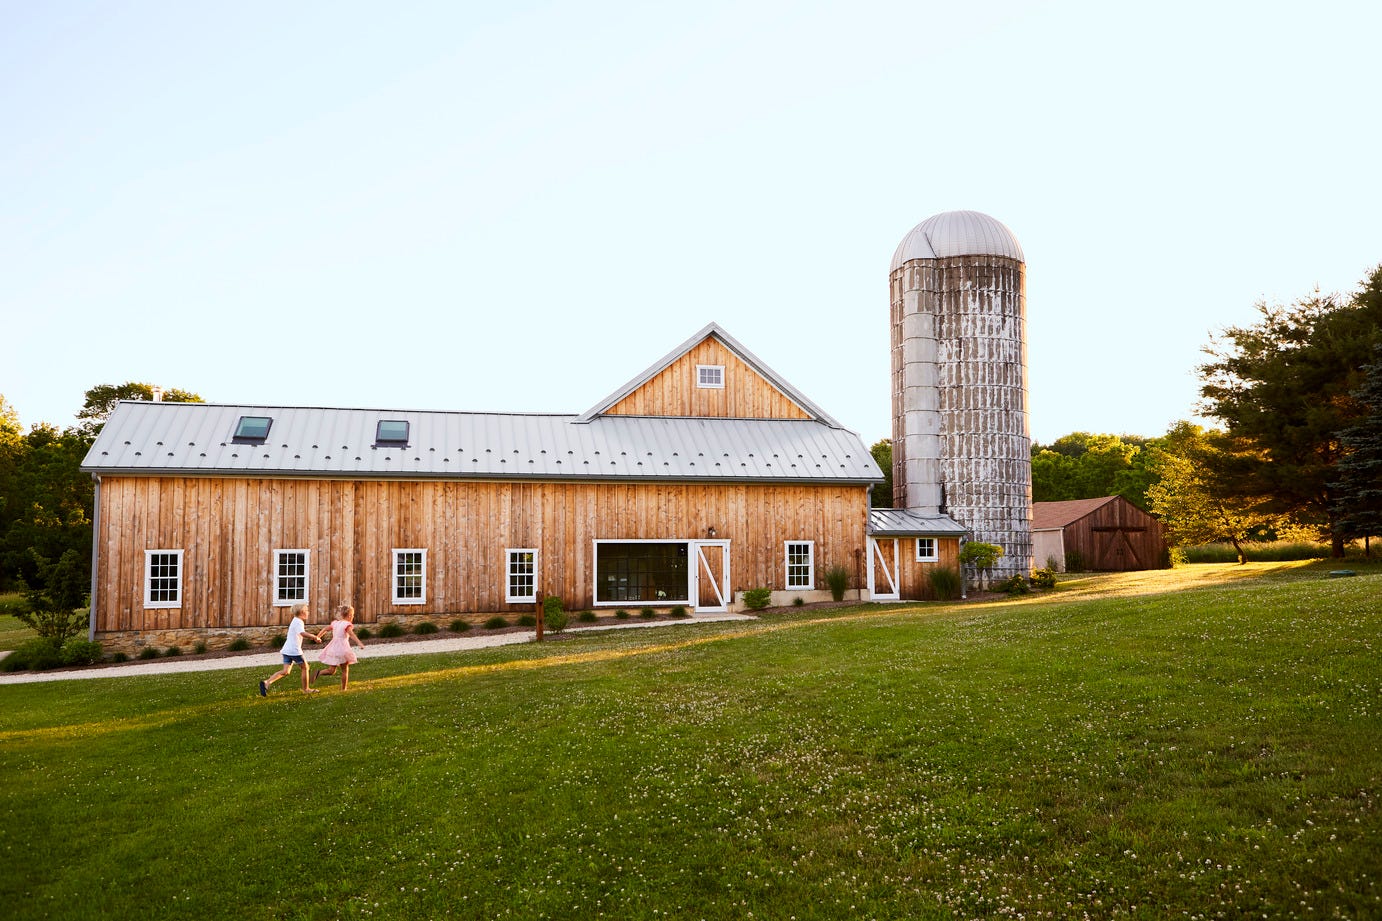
<point x="149" y="438"/>
<point x="901" y="522"/>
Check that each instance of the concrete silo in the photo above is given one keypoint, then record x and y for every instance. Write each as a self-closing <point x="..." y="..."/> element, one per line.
<point x="961" y="441"/>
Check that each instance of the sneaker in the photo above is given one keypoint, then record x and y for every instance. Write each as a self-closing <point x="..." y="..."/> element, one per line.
<point x="263" y="689"/>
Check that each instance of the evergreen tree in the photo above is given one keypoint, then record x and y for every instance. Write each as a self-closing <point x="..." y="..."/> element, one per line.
<point x="1358" y="502"/>
<point x="1282" y="387"/>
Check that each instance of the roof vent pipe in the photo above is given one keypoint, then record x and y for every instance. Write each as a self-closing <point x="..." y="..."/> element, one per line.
<point x="158" y="394"/>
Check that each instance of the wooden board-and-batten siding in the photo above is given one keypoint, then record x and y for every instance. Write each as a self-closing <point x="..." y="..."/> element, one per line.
<point x="674" y="390"/>
<point x="228" y="529"/>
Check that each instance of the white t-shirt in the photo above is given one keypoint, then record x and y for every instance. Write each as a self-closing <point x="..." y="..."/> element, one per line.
<point x="293" y="647"/>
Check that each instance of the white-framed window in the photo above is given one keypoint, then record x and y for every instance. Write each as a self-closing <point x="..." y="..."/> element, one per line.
<point x="162" y="578"/>
<point x="801" y="564"/>
<point x="290" y="577"/>
<point x="409" y="576"/>
<point x="646" y="571"/>
<point x="710" y="376"/>
<point x="926" y="550"/>
<point x="520" y="581"/>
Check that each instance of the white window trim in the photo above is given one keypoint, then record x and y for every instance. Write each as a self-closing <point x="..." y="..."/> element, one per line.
<point x="279" y="600"/>
<point x="700" y="380"/>
<point x="148" y="579"/>
<point x="810" y="565"/>
<point x="935" y="550"/>
<point x="393" y="576"/>
<point x="508" y="575"/>
<point x="595" y="569"/>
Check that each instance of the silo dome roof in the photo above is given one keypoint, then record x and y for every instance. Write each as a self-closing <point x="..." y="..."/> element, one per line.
<point x="957" y="233"/>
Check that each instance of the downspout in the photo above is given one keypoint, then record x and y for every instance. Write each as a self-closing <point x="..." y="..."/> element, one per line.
<point x="95" y="558"/>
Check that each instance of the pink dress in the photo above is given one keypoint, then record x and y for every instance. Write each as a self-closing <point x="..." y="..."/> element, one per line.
<point x="338" y="651"/>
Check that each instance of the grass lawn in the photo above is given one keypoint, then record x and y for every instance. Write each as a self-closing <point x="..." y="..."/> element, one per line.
<point x="1199" y="743"/>
<point x="12" y="632"/>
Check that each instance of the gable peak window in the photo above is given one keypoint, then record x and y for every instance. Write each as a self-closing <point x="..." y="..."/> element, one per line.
<point x="391" y="432"/>
<point x="710" y="377"/>
<point x="252" y="430"/>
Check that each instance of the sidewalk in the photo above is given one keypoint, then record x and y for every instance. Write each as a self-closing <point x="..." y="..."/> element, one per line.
<point x="375" y="650"/>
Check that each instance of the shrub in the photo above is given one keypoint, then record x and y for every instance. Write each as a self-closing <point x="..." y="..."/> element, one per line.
<point x="621" y="614"/>
<point x="363" y="633"/>
<point x="945" y="582"/>
<point x="979" y="554"/>
<point x="1044" y="578"/>
<point x="497" y="622"/>
<point x="199" y="648"/>
<point x="679" y="611"/>
<point x="554" y="616"/>
<point x="81" y="652"/>
<point x="173" y="651"/>
<point x="527" y="620"/>
<point x="646" y="612"/>
<point x="278" y="639"/>
<point x="148" y="652"/>
<point x="37" y="654"/>
<point x="1074" y="561"/>
<point x="586" y="617"/>
<point x="798" y="602"/>
<point x="390" y="630"/>
<point x="119" y="657"/>
<point x="239" y="644"/>
<point x="459" y="626"/>
<point x="756" y="599"/>
<point x="1014" y="585"/>
<point x="1053" y="564"/>
<point x="425" y="627"/>
<point x="837" y="580"/>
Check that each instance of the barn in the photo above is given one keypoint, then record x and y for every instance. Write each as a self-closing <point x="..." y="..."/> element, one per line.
<point x="704" y="475"/>
<point x="1104" y="534"/>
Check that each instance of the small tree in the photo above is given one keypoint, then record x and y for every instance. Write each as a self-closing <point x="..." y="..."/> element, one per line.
<point x="53" y="610"/>
<point x="1188" y="497"/>
<point x="980" y="556"/>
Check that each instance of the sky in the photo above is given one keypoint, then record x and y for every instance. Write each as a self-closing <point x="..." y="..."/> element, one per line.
<point x="519" y="206"/>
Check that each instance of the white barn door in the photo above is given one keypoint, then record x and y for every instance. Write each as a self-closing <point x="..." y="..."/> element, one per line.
<point x="710" y="578"/>
<point x="883" y="572"/>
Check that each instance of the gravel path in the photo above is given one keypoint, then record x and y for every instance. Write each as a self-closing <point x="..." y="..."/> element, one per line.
<point x="373" y="650"/>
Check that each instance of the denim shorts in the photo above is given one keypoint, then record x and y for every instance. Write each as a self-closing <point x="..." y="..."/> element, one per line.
<point x="293" y="660"/>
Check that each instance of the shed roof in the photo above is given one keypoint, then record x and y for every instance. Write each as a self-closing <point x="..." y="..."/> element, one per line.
<point x="147" y="438"/>
<point x="900" y="522"/>
<point x="1047" y="516"/>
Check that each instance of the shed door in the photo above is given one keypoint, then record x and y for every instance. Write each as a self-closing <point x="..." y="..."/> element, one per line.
<point x="1116" y="552"/>
<point x="710" y="582"/>
<point x="883" y="571"/>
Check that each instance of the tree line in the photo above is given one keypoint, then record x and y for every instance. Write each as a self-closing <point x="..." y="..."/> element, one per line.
<point x="1295" y="450"/>
<point x="46" y="501"/>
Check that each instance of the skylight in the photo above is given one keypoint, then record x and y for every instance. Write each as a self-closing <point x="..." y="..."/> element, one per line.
<point x="391" y="432"/>
<point x="252" y="429"/>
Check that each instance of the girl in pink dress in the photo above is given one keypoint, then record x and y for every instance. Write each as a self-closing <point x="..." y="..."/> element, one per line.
<point x="338" y="654"/>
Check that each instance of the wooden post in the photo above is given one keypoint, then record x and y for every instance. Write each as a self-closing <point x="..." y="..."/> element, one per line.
<point x="858" y="578"/>
<point x="539" y="617"/>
